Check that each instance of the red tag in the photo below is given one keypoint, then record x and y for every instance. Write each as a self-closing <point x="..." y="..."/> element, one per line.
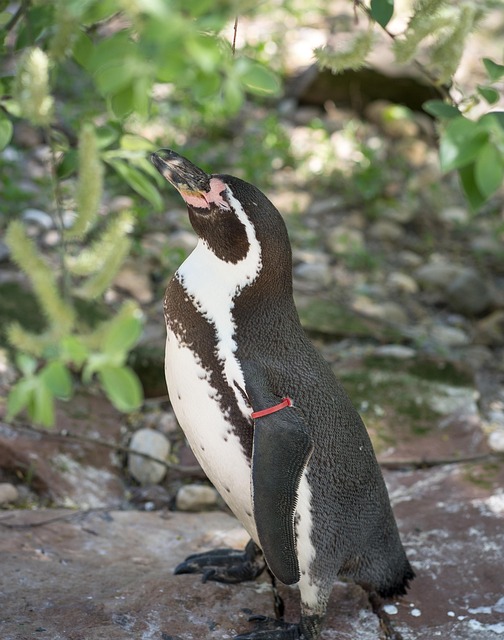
<point x="286" y="402"/>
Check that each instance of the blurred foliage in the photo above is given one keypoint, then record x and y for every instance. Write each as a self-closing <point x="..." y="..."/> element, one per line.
<point x="474" y="149"/>
<point x="69" y="344"/>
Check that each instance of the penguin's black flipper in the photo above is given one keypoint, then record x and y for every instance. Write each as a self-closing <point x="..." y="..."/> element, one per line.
<point x="225" y="565"/>
<point x="281" y="449"/>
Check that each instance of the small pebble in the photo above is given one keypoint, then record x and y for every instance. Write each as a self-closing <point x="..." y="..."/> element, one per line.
<point x="154" y="444"/>
<point x="391" y="609"/>
<point x="416" y="612"/>
<point x="196" y="497"/>
<point x="8" y="493"/>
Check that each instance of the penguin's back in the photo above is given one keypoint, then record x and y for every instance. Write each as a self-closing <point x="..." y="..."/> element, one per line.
<point x="352" y="530"/>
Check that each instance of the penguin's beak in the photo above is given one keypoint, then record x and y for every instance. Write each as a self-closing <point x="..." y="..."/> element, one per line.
<point x="186" y="177"/>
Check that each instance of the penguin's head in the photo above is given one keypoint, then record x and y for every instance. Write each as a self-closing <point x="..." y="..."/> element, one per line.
<point x="232" y="217"/>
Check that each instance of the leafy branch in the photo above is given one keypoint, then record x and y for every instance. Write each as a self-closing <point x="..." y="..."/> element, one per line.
<point x="474" y="148"/>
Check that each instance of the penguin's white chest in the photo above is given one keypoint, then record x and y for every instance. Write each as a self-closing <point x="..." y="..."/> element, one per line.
<point x="208" y="431"/>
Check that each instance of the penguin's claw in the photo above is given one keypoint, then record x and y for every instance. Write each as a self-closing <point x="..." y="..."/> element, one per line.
<point x="225" y="565"/>
<point x="270" y="629"/>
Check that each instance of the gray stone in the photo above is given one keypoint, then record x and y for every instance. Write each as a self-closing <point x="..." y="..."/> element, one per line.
<point x="496" y="440"/>
<point x="109" y="574"/>
<point x="402" y="282"/>
<point x="397" y="351"/>
<point x="316" y="272"/>
<point x="40" y="218"/>
<point x="437" y="276"/>
<point x="343" y="240"/>
<point x="386" y="231"/>
<point x="450" y="336"/>
<point x="446" y="399"/>
<point x="8" y="493"/>
<point x="196" y="497"/>
<point x="154" y="444"/>
<point x="468" y="293"/>
<point x="135" y="282"/>
<point x="454" y="215"/>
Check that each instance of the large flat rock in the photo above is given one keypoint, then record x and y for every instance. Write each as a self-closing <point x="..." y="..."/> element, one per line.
<point x="107" y="575"/>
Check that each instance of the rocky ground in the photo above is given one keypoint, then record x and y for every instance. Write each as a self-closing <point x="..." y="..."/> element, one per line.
<point x="402" y="290"/>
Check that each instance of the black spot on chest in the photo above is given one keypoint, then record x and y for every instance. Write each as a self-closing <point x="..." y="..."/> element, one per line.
<point x="193" y="330"/>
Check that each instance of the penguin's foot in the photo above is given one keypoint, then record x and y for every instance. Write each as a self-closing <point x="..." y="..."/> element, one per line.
<point x="225" y="565"/>
<point x="271" y="629"/>
<point x="385" y="622"/>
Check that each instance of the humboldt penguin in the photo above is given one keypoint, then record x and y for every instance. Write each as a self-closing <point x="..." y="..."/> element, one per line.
<point x="266" y="418"/>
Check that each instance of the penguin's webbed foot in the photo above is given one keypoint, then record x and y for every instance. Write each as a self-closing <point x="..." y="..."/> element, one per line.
<point x="271" y="629"/>
<point x="225" y="565"/>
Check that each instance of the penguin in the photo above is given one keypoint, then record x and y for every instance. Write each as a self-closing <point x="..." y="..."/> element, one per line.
<point x="271" y="426"/>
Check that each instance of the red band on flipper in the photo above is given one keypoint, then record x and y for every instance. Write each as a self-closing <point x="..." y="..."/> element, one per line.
<point x="286" y="402"/>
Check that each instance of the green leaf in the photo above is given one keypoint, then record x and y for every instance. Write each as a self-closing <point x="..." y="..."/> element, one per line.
<point x="26" y="364"/>
<point x="474" y="196"/>
<point x="83" y="49"/>
<point x="6" y="129"/>
<point x="68" y="164"/>
<point x="382" y="11"/>
<point x="489" y="170"/>
<point x="41" y="407"/>
<point x="73" y="350"/>
<point x="460" y="143"/>
<point x="107" y="135"/>
<point x="122" y="336"/>
<point x="19" y="397"/>
<point x="490" y="94"/>
<point x="57" y="378"/>
<point x="122" y="387"/>
<point x="440" y="109"/>
<point x="138" y="182"/>
<point x="259" y="80"/>
<point x="123" y="102"/>
<point x="132" y="142"/>
<point x="495" y="71"/>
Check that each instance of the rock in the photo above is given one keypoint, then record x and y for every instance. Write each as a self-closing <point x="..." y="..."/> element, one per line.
<point x="468" y="293"/>
<point x="447" y="399"/>
<point x="38" y="217"/>
<point x="450" y="336"/>
<point x="150" y="498"/>
<point x="196" y="497"/>
<point x="409" y="258"/>
<point x="120" y="203"/>
<point x="454" y="215"/>
<point x="402" y="283"/>
<point x="397" y="351"/>
<point x="8" y="493"/>
<point x="490" y="330"/>
<point x="182" y="240"/>
<point x="395" y="120"/>
<point x="496" y="440"/>
<point x="344" y="241"/>
<point x="399" y="214"/>
<point x="136" y="283"/>
<point x="326" y="205"/>
<point x="316" y="272"/>
<point x="386" y="230"/>
<point x="154" y="444"/>
<point x="437" y="276"/>
<point x="390" y="312"/>
<point x="110" y="574"/>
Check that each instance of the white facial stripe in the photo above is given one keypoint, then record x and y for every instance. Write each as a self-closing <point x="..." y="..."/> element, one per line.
<point x="212" y="284"/>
